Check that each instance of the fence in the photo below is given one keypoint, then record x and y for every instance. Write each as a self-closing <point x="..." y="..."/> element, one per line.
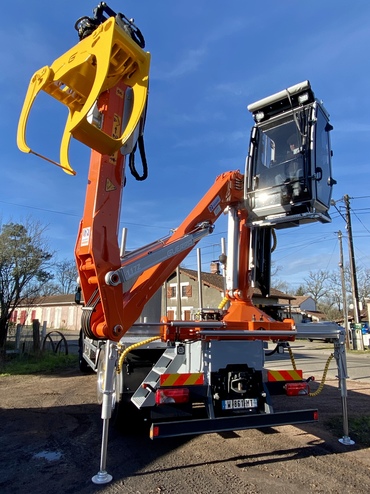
<point x="36" y="338"/>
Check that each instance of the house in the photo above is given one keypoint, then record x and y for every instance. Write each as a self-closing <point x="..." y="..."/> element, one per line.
<point x="213" y="289"/>
<point x="61" y="311"/>
<point x="303" y="309"/>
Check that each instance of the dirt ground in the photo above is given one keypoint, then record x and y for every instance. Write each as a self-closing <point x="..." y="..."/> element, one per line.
<point x="50" y="435"/>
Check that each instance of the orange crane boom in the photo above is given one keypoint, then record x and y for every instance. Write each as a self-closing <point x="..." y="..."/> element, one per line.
<point x="109" y="311"/>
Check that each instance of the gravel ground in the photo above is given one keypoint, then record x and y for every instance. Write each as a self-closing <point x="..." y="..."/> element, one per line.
<point x="50" y="437"/>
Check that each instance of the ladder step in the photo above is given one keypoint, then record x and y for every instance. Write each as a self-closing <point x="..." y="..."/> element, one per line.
<point x="138" y="401"/>
<point x="160" y="370"/>
<point x="169" y="361"/>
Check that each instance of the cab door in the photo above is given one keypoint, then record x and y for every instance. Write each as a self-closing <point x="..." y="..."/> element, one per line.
<point x="321" y="160"/>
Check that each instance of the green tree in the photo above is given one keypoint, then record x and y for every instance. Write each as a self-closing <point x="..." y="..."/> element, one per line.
<point x="24" y="269"/>
<point x="301" y="290"/>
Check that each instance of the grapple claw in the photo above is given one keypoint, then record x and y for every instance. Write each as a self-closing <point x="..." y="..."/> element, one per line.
<point x="77" y="79"/>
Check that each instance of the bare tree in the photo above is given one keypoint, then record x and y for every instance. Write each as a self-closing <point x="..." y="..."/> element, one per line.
<point x="363" y="282"/>
<point x="24" y="268"/>
<point x="277" y="282"/>
<point x="316" y="284"/>
<point x="282" y="285"/>
<point x="65" y="276"/>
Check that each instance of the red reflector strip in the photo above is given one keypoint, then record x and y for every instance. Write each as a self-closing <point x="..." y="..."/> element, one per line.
<point x="284" y="375"/>
<point x="189" y="379"/>
<point x="154" y="432"/>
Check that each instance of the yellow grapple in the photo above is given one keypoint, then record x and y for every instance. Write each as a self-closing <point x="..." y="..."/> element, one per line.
<point x="78" y="77"/>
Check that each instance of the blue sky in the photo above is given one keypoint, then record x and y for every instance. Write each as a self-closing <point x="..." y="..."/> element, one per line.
<point x="209" y="61"/>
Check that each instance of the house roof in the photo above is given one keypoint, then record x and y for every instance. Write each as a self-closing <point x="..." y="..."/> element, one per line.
<point x="299" y="299"/>
<point x="66" y="299"/>
<point x="316" y="313"/>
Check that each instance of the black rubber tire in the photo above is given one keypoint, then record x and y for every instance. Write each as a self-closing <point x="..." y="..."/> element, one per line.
<point x="83" y="365"/>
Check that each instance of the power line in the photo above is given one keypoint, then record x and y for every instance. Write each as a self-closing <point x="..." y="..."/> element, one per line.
<point x="360" y="221"/>
<point x="40" y="209"/>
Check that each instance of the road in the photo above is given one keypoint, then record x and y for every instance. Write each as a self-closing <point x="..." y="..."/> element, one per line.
<point x="311" y="357"/>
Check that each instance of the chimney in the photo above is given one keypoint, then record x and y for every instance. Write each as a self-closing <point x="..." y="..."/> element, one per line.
<point x="215" y="267"/>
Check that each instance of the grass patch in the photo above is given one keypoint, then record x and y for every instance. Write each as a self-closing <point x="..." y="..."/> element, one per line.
<point x="45" y="363"/>
<point x="359" y="352"/>
<point x="359" y="428"/>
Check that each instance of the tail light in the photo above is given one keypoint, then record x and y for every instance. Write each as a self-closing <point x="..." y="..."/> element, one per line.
<point x="172" y="395"/>
<point x="295" y="389"/>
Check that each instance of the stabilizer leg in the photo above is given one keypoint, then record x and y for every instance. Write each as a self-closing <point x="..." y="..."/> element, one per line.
<point x="340" y="357"/>
<point x="110" y="359"/>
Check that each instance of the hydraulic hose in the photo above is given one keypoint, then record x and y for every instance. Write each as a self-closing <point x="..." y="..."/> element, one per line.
<point x="292" y="358"/>
<point x="132" y="347"/>
<point x="321" y="386"/>
<point x="223" y="302"/>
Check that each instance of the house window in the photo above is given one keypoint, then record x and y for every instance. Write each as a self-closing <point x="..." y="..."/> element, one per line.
<point x="171" y="291"/>
<point x="58" y="317"/>
<point x="23" y="317"/>
<point x="14" y="316"/>
<point x="71" y="313"/>
<point x="186" y="291"/>
<point x="187" y="315"/>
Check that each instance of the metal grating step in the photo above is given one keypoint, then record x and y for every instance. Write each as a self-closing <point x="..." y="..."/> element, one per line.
<point x="168" y="362"/>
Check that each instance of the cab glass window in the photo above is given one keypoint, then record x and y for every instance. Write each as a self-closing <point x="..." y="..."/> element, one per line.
<point x="322" y="158"/>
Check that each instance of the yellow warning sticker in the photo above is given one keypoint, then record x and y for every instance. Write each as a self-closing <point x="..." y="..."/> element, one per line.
<point x="116" y="132"/>
<point x="119" y="92"/>
<point x="113" y="158"/>
<point x="109" y="186"/>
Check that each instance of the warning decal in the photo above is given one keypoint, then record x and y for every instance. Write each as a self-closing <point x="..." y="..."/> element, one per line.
<point x="109" y="186"/>
<point x="85" y="236"/>
<point x="188" y="379"/>
<point x="284" y="375"/>
<point x="116" y="131"/>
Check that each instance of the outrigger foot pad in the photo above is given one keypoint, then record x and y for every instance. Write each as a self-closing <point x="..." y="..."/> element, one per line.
<point x="102" y="477"/>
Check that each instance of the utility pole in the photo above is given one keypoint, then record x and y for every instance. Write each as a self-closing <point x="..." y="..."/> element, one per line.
<point x="352" y="264"/>
<point x="200" y="286"/>
<point x="178" y="295"/>
<point x="344" y="292"/>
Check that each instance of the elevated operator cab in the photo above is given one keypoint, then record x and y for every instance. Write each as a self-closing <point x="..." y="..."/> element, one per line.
<point x="288" y="176"/>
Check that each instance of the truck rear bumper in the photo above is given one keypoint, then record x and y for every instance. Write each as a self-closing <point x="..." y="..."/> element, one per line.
<point x="203" y="426"/>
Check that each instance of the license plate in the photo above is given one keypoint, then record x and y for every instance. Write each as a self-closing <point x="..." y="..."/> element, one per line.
<point x="239" y="404"/>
